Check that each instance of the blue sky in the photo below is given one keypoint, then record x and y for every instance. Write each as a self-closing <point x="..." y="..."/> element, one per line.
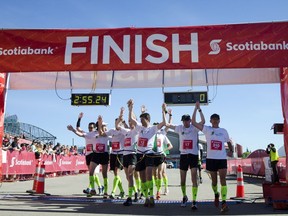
<point x="247" y="111"/>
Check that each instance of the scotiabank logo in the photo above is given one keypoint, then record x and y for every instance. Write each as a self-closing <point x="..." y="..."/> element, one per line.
<point x="15" y="162"/>
<point x="246" y="46"/>
<point x="250" y="46"/>
<point x="215" y="48"/>
<point x="63" y="162"/>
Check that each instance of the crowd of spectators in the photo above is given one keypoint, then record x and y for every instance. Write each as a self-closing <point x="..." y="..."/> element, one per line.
<point x="17" y="143"/>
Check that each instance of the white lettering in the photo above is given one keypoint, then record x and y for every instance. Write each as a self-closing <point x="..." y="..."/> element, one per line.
<point x="156" y="48"/>
<point x="70" y="49"/>
<point x="94" y="50"/>
<point x="124" y="54"/>
<point x="193" y="47"/>
<point x="249" y="46"/>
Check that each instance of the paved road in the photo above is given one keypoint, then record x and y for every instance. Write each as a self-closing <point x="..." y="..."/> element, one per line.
<point x="67" y="199"/>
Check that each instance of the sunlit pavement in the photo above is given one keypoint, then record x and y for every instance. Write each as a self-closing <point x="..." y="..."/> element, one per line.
<point x="66" y="197"/>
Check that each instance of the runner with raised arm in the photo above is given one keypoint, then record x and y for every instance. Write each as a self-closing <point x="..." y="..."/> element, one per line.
<point x="145" y="154"/>
<point x="216" y="160"/>
<point x="188" y="136"/>
<point x="90" y="141"/>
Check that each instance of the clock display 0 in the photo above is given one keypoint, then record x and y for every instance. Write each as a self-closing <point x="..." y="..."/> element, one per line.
<point x="185" y="98"/>
<point x="90" y="99"/>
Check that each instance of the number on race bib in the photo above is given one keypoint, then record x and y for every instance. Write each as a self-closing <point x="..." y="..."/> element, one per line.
<point x="142" y="142"/>
<point x="187" y="144"/>
<point x="127" y="142"/>
<point x="216" y="145"/>
<point x="115" y="145"/>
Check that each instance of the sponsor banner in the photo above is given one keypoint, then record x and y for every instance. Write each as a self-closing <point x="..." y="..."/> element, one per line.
<point x="257" y="45"/>
<point x="24" y="163"/>
<point x="255" y="166"/>
<point x="284" y="100"/>
<point x="2" y="102"/>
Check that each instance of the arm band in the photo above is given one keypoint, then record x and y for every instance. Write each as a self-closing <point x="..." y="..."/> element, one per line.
<point x="78" y="122"/>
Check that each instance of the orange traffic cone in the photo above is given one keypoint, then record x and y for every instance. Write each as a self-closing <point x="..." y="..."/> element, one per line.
<point x="40" y="183"/>
<point x="37" y="170"/>
<point x="240" y="182"/>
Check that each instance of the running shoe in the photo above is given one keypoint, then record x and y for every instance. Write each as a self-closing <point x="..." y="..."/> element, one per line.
<point x="112" y="196"/>
<point x="184" y="201"/>
<point x="141" y="196"/>
<point x="135" y="197"/>
<point x="152" y="202"/>
<point x="224" y="207"/>
<point x="93" y="192"/>
<point x="128" y="202"/>
<point x="166" y="191"/>
<point x="216" y="200"/>
<point x="121" y="195"/>
<point x="158" y="195"/>
<point x="101" y="190"/>
<point x="87" y="191"/>
<point x="147" y="202"/>
<point x="194" y="205"/>
<point x="105" y="196"/>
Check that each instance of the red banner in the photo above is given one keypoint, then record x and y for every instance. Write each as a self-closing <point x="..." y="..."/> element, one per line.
<point x="24" y="163"/>
<point x="258" y="45"/>
<point x="2" y="102"/>
<point x="284" y="100"/>
<point x="255" y="166"/>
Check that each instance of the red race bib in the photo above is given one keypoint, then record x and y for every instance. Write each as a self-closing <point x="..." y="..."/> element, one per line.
<point x="127" y="142"/>
<point x="216" y="145"/>
<point x="187" y="144"/>
<point x="115" y="145"/>
<point x="158" y="142"/>
<point x="89" y="147"/>
<point x="100" y="147"/>
<point x="142" y="142"/>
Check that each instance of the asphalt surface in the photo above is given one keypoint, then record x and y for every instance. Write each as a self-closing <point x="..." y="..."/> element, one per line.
<point x="66" y="198"/>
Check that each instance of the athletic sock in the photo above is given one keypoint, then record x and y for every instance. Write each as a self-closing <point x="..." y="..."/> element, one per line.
<point x="105" y="185"/>
<point x="97" y="180"/>
<point x="224" y="192"/>
<point x="194" y="193"/>
<point x="120" y="186"/>
<point x="92" y="182"/>
<point x="115" y="184"/>
<point x="183" y="188"/>
<point x="130" y="192"/>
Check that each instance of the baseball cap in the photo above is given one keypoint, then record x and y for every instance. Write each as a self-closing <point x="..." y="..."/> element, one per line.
<point x="215" y="116"/>
<point x="186" y="117"/>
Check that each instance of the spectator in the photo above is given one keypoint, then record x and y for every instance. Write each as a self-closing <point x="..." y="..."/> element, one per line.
<point x="15" y="144"/>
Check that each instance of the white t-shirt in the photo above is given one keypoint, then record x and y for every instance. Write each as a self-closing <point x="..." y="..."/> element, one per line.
<point x="162" y="141"/>
<point x="102" y="144"/>
<point x="188" y="138"/>
<point x="117" y="141"/>
<point x="130" y="141"/>
<point x="146" y="138"/>
<point x="216" y="139"/>
<point x="90" y="141"/>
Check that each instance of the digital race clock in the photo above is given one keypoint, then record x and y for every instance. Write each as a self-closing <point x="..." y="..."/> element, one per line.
<point x="185" y="98"/>
<point x="90" y="99"/>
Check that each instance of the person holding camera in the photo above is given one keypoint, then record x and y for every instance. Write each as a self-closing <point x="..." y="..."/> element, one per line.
<point x="274" y="157"/>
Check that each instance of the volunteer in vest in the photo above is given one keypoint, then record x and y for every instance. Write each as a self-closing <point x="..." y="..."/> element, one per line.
<point x="216" y="160"/>
<point x="129" y="156"/>
<point x="90" y="139"/>
<point x="102" y="151"/>
<point x="188" y="137"/>
<point x="116" y="157"/>
<point x="274" y="157"/>
<point x="145" y="154"/>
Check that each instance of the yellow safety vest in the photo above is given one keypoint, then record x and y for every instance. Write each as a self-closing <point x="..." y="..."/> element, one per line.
<point x="274" y="156"/>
